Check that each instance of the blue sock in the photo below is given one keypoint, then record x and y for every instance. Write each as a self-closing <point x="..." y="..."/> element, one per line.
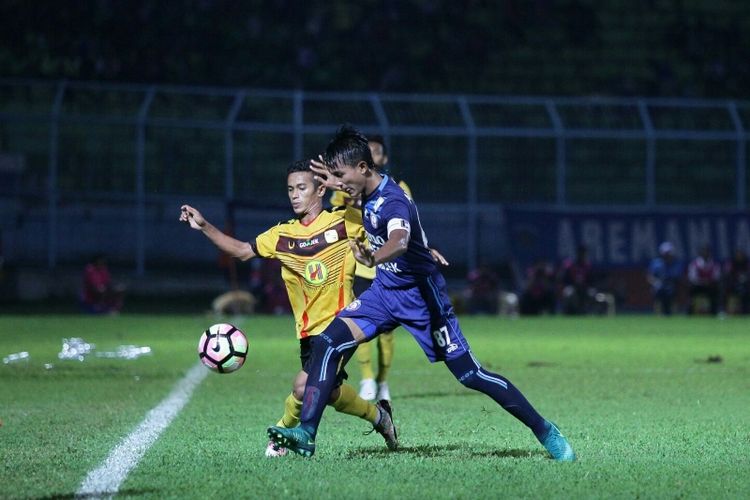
<point x="470" y="373"/>
<point x="334" y="344"/>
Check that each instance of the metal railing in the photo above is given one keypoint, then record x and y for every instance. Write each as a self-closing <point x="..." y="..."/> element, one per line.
<point x="143" y="143"/>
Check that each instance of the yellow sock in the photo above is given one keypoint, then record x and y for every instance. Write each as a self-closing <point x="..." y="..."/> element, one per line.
<point x="292" y="411"/>
<point x="351" y="404"/>
<point x="385" y="348"/>
<point x="364" y="358"/>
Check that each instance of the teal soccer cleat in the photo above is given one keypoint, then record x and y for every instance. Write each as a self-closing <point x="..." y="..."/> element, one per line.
<point x="557" y="445"/>
<point x="295" y="439"/>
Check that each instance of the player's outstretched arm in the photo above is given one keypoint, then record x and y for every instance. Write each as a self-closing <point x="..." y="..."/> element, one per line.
<point x="233" y="247"/>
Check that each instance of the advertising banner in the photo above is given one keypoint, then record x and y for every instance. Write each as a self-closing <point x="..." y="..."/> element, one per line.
<point x="623" y="239"/>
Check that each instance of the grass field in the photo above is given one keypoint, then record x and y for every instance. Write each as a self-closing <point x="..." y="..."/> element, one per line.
<point x="647" y="413"/>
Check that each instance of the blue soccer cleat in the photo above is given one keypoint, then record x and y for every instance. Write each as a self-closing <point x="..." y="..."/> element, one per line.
<point x="295" y="439"/>
<point x="557" y="445"/>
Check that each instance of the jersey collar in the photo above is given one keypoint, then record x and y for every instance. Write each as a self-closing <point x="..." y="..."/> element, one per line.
<point x="379" y="188"/>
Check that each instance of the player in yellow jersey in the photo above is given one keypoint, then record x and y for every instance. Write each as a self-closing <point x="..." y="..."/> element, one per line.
<point x="372" y="387"/>
<point x="317" y="269"/>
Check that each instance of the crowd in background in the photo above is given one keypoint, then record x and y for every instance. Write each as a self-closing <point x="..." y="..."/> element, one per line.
<point x="571" y="287"/>
<point x="712" y="286"/>
<point x="702" y="285"/>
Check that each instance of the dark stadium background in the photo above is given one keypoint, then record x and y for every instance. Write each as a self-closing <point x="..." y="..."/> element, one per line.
<point x="523" y="128"/>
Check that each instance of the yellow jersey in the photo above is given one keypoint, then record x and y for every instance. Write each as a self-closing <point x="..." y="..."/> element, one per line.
<point x="317" y="264"/>
<point x="342" y="199"/>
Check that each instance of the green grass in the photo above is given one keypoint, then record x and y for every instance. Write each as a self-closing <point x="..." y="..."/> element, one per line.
<point x="646" y="412"/>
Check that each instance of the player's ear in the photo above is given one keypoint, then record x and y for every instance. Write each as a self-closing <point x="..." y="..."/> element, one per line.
<point x="385" y="159"/>
<point x="363" y="166"/>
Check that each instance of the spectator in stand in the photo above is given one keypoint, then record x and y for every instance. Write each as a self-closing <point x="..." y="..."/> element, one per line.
<point x="576" y="283"/>
<point x="482" y="292"/>
<point x="704" y="275"/>
<point x="737" y="276"/>
<point x="100" y="295"/>
<point x="664" y="274"/>
<point x="539" y="294"/>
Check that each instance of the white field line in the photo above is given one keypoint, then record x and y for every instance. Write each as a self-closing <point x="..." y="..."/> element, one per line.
<point x="106" y="479"/>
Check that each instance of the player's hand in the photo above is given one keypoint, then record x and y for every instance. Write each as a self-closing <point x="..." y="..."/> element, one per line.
<point x="191" y="216"/>
<point x="438" y="257"/>
<point x="362" y="253"/>
<point x="322" y="175"/>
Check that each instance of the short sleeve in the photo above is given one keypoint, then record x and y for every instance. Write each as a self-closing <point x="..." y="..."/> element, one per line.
<point x="396" y="214"/>
<point x="266" y="243"/>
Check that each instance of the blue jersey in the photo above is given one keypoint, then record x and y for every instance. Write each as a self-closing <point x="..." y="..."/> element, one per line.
<point x="384" y="210"/>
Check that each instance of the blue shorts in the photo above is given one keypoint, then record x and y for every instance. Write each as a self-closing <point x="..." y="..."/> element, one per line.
<point x="423" y="309"/>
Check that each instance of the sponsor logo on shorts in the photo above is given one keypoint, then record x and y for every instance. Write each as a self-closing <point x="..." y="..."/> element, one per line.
<point x="354" y="305"/>
<point x="451" y="348"/>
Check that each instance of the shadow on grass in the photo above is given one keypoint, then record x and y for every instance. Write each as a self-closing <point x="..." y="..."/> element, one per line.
<point x="423" y="395"/>
<point x="539" y="364"/>
<point x="511" y="453"/>
<point x="66" y="496"/>
<point x="449" y="450"/>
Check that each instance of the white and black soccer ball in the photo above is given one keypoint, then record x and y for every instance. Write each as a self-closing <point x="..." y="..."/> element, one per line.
<point x="223" y="348"/>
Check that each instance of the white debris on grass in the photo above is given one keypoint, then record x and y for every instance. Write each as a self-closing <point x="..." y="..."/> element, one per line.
<point x="16" y="357"/>
<point x="126" y="352"/>
<point x="75" y="348"/>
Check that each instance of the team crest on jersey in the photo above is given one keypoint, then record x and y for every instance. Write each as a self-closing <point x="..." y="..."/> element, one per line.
<point x="374" y="220"/>
<point x="331" y="236"/>
<point x="354" y="305"/>
<point x="316" y="272"/>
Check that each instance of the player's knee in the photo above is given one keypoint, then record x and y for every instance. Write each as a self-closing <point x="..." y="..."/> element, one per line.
<point x="466" y="370"/>
<point x="336" y="335"/>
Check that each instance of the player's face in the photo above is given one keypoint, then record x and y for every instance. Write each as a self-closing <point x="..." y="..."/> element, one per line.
<point x="303" y="195"/>
<point x="379" y="158"/>
<point x="352" y="177"/>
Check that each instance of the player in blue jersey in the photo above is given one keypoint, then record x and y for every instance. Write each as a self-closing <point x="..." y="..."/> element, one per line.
<point x="409" y="291"/>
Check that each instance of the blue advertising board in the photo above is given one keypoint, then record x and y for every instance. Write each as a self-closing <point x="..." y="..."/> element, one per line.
<point x="623" y="239"/>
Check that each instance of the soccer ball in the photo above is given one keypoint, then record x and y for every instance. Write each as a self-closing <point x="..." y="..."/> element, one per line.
<point x="223" y="348"/>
